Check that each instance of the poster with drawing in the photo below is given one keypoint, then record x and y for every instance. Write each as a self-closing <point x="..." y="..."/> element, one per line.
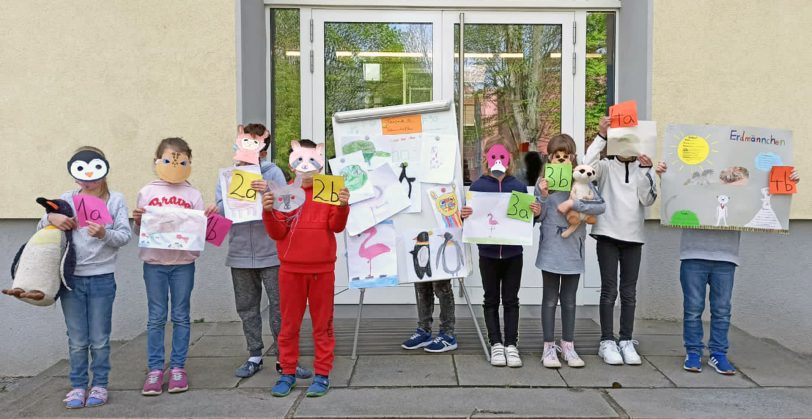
<point x="633" y="141"/>
<point x="718" y="178"/>
<point x="355" y="171"/>
<point x="389" y="199"/>
<point x="236" y="209"/>
<point x="438" y="156"/>
<point x="446" y="204"/>
<point x="172" y="228"/>
<point x="490" y="224"/>
<point x="372" y="259"/>
<point x="433" y="254"/>
<point x="405" y="158"/>
<point x="374" y="154"/>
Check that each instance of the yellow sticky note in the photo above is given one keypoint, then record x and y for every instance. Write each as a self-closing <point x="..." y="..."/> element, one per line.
<point x="240" y="186"/>
<point x="326" y="188"/>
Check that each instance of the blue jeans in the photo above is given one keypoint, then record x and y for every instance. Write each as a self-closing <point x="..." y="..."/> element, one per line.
<point x="88" y="311"/>
<point x="165" y="282"/>
<point x="695" y="276"/>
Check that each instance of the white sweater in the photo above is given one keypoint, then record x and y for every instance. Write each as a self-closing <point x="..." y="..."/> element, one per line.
<point x="627" y="189"/>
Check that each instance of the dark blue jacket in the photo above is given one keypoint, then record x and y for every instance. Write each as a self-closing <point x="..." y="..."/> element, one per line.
<point x="488" y="183"/>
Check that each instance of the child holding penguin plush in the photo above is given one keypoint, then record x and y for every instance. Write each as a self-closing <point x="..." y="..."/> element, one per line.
<point x="500" y="265"/>
<point x="306" y="242"/>
<point x="88" y="305"/>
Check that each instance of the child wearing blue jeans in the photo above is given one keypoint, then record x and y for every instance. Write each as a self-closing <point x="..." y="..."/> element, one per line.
<point x="88" y="302"/>
<point x="708" y="260"/>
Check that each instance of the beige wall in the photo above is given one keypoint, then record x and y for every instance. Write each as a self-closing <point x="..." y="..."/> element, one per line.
<point x="737" y="62"/>
<point x="117" y="74"/>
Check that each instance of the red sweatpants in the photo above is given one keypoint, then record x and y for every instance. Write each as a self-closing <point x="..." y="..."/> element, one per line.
<point x="295" y="290"/>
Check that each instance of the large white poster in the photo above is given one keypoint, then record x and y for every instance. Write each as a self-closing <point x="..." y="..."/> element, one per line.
<point x="719" y="178"/>
<point x="389" y="199"/>
<point x="489" y="223"/>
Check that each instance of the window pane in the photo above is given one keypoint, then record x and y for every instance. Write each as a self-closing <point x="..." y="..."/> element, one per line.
<point x="600" y="69"/>
<point x="285" y="80"/>
<point x="369" y="65"/>
<point x="512" y="90"/>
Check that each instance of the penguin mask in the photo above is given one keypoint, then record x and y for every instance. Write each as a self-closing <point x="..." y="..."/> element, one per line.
<point x="173" y="167"/>
<point x="498" y="159"/>
<point x="306" y="161"/>
<point x="88" y="166"/>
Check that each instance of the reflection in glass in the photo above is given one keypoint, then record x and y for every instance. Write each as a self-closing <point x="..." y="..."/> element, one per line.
<point x="369" y="65"/>
<point x="286" y="109"/>
<point x="600" y="68"/>
<point x="512" y="90"/>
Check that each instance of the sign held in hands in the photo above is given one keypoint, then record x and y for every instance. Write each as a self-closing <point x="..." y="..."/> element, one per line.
<point x="326" y="189"/>
<point x="623" y="114"/>
<point x="558" y="176"/>
<point x="519" y="206"/>
<point x="240" y="186"/>
<point x="780" y="183"/>
<point x="217" y="228"/>
<point x="91" y="208"/>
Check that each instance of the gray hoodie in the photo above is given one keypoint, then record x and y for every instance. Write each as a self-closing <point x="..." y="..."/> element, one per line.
<point x="557" y="254"/>
<point x="249" y="246"/>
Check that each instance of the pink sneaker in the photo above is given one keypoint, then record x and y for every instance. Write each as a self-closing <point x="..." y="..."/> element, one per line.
<point x="178" y="383"/>
<point x="153" y="385"/>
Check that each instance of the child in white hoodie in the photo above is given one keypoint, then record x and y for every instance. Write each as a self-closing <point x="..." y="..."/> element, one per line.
<point x="627" y="185"/>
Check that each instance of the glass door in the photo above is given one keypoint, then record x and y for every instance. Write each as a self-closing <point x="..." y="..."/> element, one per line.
<point x="518" y="76"/>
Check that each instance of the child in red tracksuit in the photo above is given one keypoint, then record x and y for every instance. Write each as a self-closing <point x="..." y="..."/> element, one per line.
<point x="306" y="243"/>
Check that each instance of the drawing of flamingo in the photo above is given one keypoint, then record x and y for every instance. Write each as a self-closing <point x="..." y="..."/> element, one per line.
<point x="371" y="252"/>
<point x="493" y="223"/>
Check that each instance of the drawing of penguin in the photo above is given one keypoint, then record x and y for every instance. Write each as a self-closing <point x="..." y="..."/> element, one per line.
<point x="403" y="177"/>
<point x="450" y="243"/>
<point x="421" y="255"/>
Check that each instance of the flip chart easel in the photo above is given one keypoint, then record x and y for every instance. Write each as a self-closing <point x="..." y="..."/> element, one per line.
<point x="438" y="118"/>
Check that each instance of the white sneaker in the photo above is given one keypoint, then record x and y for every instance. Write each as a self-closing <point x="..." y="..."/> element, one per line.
<point x="498" y="355"/>
<point x="610" y="353"/>
<point x="550" y="357"/>
<point x="513" y="358"/>
<point x="569" y="354"/>
<point x="630" y="355"/>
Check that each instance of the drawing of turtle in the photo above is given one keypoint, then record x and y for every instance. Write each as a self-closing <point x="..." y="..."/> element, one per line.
<point x="366" y="147"/>
<point x="354" y="177"/>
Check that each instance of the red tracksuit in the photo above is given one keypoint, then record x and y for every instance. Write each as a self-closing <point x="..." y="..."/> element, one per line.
<point x="307" y="252"/>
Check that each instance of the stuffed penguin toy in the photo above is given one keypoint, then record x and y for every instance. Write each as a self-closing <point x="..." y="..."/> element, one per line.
<point x="41" y="265"/>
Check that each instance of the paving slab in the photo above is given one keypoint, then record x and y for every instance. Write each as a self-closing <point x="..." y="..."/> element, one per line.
<point x="47" y="402"/>
<point x="721" y="403"/>
<point x="653" y="327"/>
<point x="213" y="373"/>
<point x="597" y="373"/>
<point x="456" y="403"/>
<point x="664" y="345"/>
<point x="266" y="378"/>
<point x="209" y="346"/>
<point x="771" y="365"/>
<point x="475" y="370"/>
<point x="671" y="366"/>
<point x="404" y="371"/>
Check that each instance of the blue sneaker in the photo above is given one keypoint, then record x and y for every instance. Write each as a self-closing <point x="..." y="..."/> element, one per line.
<point x="693" y="363"/>
<point x="248" y="369"/>
<point x="283" y="387"/>
<point x="419" y="339"/>
<point x="720" y="363"/>
<point x="442" y="343"/>
<point x="319" y="387"/>
<point x="301" y="373"/>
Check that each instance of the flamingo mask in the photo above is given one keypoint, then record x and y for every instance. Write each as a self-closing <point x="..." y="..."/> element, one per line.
<point x="498" y="159"/>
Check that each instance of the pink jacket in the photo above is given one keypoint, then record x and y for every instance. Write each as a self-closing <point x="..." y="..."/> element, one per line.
<point x="159" y="193"/>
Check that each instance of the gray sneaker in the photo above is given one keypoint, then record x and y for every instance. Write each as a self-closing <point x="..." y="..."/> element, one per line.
<point x="248" y="369"/>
